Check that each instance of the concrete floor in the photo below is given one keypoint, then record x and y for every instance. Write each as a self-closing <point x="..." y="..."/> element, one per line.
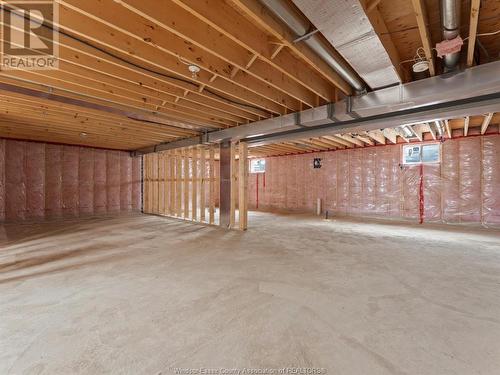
<point x="147" y="295"/>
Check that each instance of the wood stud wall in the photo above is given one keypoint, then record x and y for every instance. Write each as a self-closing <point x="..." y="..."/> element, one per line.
<point x="176" y="184"/>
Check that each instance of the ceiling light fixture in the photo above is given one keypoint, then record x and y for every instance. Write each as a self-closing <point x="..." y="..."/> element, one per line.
<point x="83" y="135"/>
<point x="194" y="69"/>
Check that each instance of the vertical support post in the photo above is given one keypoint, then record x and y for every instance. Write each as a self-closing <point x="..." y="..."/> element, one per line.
<point x="150" y="184"/>
<point x="225" y="183"/>
<point x="178" y="176"/>
<point x="202" y="183"/>
<point x="243" y="185"/>
<point x="161" y="178"/>
<point x="155" y="199"/>
<point x="167" y="183"/>
<point x="211" y="209"/>
<point x="186" y="182"/>
<point x="171" y="208"/>
<point x="232" y="214"/>
<point x="194" y="187"/>
<point x="145" y="178"/>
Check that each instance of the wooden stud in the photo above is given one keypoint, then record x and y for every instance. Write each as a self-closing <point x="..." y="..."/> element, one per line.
<point x="212" y="185"/>
<point x="232" y="216"/>
<point x="178" y="188"/>
<point x="194" y="184"/>
<point x="185" y="180"/>
<point x="203" y="169"/>
<point x="161" y="183"/>
<point x="243" y="185"/>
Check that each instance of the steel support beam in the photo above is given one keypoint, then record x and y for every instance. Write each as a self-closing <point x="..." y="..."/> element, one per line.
<point x="473" y="91"/>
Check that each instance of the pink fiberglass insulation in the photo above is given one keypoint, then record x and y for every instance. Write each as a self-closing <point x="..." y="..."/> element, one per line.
<point x="86" y="180"/>
<point x="53" y="180"/>
<point x="463" y="188"/>
<point x="470" y="179"/>
<point x="70" y="180"/>
<point x="15" y="180"/>
<point x="2" y="179"/>
<point x="39" y="180"/>
<point x="136" y="183"/>
<point x="125" y="182"/>
<point x="490" y="185"/>
<point x="35" y="180"/>
<point x="450" y="204"/>
<point x="100" y="173"/>
<point x="113" y="181"/>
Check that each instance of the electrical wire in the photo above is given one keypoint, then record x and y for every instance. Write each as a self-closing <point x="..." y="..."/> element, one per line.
<point x="484" y="34"/>
<point x="117" y="57"/>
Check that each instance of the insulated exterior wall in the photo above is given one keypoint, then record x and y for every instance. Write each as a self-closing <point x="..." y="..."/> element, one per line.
<point x="39" y="180"/>
<point x="371" y="181"/>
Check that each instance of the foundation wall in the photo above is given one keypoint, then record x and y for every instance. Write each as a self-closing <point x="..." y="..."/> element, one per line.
<point x="39" y="181"/>
<point x="371" y="181"/>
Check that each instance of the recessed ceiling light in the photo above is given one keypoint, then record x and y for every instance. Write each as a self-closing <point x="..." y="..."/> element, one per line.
<point x="83" y="135"/>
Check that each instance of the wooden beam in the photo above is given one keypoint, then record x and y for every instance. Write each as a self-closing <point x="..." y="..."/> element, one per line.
<point x="391" y="135"/>
<point x="377" y="135"/>
<point x="211" y="209"/>
<point x="178" y="188"/>
<point x="232" y="215"/>
<point x="243" y="185"/>
<point x="371" y="5"/>
<point x="203" y="169"/>
<point x="161" y="183"/>
<point x="422" y="22"/>
<point x="486" y="122"/>
<point x="351" y="139"/>
<point x="364" y="139"/>
<point x="141" y="40"/>
<point x="431" y="130"/>
<point x="417" y="130"/>
<point x="194" y="183"/>
<point x="474" y="18"/>
<point x="171" y="169"/>
<point x="108" y="27"/>
<point x="466" y="125"/>
<point x="228" y="21"/>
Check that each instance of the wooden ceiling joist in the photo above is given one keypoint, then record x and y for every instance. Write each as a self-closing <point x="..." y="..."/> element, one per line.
<point x="474" y="18"/>
<point x="422" y="21"/>
<point x="486" y="122"/>
<point x="225" y="19"/>
<point x="109" y="25"/>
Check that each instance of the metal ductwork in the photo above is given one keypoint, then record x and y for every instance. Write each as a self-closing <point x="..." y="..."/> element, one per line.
<point x="301" y="27"/>
<point x="450" y="19"/>
<point x="345" y="24"/>
<point x="472" y="92"/>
